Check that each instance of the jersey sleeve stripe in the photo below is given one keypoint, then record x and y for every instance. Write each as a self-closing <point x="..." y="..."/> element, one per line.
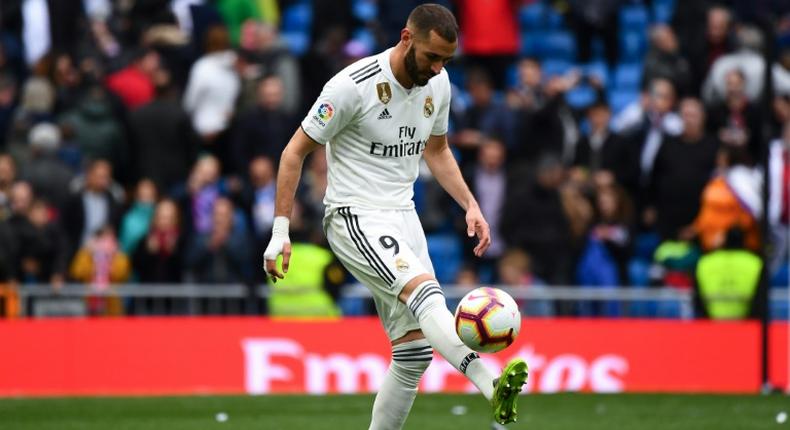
<point x="374" y="72"/>
<point x="362" y="71"/>
<point x="346" y="214"/>
<point x="311" y="137"/>
<point x="359" y="230"/>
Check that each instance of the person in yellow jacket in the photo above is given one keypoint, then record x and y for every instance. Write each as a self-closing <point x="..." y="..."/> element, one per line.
<point x="99" y="264"/>
<point x="727" y="279"/>
<point x="303" y="293"/>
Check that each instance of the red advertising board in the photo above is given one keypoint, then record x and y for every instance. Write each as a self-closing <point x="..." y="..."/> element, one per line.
<point x="258" y="356"/>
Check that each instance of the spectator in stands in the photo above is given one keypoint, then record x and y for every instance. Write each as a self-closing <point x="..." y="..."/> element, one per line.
<point x="488" y="179"/>
<point x="747" y="58"/>
<point x="258" y="200"/>
<point x="545" y="122"/>
<point x="204" y="186"/>
<point x="93" y="125"/>
<point x="159" y="257"/>
<point x="36" y="104"/>
<point x="311" y="198"/>
<point x="643" y="140"/>
<point x="267" y="55"/>
<point x="93" y="208"/>
<point x="682" y="168"/>
<point x="737" y="121"/>
<point x="515" y="270"/>
<point x="604" y="262"/>
<point x="597" y="149"/>
<point x="134" y="84"/>
<point x="7" y="106"/>
<point x="590" y="18"/>
<point x="100" y="263"/>
<point x="220" y="255"/>
<point x="493" y="50"/>
<point x="213" y="86"/>
<point x="484" y="116"/>
<point x="68" y="82"/>
<point x="779" y="198"/>
<point x="7" y="178"/>
<point x="264" y="129"/>
<point x="732" y="199"/>
<point x="536" y="222"/>
<point x="702" y="45"/>
<point x="235" y="13"/>
<point x="137" y="220"/>
<point x="49" y="176"/>
<point x="664" y="60"/>
<point x="43" y="249"/>
<point x="164" y="143"/>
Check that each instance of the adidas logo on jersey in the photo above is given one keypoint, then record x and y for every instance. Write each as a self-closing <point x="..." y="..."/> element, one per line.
<point x="385" y="114"/>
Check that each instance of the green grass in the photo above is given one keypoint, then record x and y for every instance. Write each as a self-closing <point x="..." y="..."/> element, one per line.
<point x="545" y="412"/>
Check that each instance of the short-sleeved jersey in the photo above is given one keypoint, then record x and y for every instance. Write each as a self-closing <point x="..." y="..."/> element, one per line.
<point x="375" y="132"/>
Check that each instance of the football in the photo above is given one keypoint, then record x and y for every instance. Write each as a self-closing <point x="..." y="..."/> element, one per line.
<point x="487" y="319"/>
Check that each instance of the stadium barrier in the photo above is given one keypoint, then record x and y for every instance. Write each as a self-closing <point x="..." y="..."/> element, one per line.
<point x="235" y="355"/>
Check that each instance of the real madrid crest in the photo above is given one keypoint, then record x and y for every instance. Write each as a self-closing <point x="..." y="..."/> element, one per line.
<point x="385" y="93"/>
<point x="427" y="110"/>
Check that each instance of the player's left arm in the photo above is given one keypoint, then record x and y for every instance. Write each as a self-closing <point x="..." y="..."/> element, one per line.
<point x="445" y="169"/>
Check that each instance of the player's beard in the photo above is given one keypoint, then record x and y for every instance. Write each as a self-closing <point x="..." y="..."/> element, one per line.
<point x="413" y="70"/>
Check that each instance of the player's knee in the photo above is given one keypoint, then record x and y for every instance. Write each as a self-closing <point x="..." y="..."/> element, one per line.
<point x="412" y="285"/>
<point x="409" y="361"/>
<point x="425" y="296"/>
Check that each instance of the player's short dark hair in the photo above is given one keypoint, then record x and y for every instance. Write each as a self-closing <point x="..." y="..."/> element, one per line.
<point x="433" y="17"/>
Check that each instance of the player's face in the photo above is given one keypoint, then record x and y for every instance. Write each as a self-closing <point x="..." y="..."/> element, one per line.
<point x="426" y="57"/>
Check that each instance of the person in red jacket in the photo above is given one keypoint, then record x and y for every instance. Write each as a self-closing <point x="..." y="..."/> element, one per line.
<point x="490" y="35"/>
<point x="135" y="83"/>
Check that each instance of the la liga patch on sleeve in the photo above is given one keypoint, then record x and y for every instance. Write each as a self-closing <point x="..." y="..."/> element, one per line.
<point x="323" y="114"/>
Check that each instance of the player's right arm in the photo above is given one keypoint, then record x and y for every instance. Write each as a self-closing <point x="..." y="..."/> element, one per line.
<point x="291" y="162"/>
<point x="334" y="109"/>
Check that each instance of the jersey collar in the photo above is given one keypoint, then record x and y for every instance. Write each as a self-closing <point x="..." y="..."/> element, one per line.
<point x="384" y="60"/>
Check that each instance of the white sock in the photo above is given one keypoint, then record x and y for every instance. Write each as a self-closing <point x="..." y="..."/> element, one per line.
<point x="438" y="325"/>
<point x="397" y="393"/>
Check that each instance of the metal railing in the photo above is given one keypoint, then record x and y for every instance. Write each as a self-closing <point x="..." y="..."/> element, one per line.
<point x="235" y="299"/>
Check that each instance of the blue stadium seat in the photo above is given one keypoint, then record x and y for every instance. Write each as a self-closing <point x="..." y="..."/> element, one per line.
<point x="539" y="16"/>
<point x="297" y="42"/>
<point x="627" y="77"/>
<point x="633" y="45"/>
<point x="365" y="10"/>
<point x="599" y="69"/>
<point x="559" y="45"/>
<point x="581" y="96"/>
<point x="634" y="17"/>
<point x="663" y="12"/>
<point x="445" y="252"/>
<point x="619" y="99"/>
<point x="531" y="43"/>
<point x="352" y="306"/>
<point x="297" y="18"/>
<point x="555" y="67"/>
<point x="366" y="38"/>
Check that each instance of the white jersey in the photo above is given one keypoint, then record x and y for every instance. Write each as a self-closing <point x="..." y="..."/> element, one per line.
<point x="376" y="132"/>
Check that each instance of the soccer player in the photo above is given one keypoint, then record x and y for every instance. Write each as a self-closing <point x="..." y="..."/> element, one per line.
<point x="377" y="118"/>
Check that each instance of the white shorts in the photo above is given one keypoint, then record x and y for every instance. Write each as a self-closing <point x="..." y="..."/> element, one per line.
<point x="384" y="250"/>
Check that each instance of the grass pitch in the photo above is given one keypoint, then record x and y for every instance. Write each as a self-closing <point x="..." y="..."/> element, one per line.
<point x="431" y="411"/>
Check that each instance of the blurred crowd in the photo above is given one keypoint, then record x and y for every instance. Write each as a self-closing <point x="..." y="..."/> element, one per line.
<point x="139" y="142"/>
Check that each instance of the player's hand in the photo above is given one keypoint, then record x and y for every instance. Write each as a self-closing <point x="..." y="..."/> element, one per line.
<point x="476" y="225"/>
<point x="279" y="244"/>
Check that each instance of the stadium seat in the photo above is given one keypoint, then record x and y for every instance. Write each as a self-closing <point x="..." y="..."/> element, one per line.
<point x="365" y="10"/>
<point x="663" y="12"/>
<point x="445" y="252"/>
<point x="559" y="45"/>
<point x="297" y="18"/>
<point x="581" y="96"/>
<point x="598" y="69"/>
<point x="531" y="42"/>
<point x="298" y="42"/>
<point x="633" y="45"/>
<point x="555" y="67"/>
<point x="627" y="77"/>
<point x="619" y="99"/>
<point x="539" y="16"/>
<point x="366" y="38"/>
<point x="634" y="18"/>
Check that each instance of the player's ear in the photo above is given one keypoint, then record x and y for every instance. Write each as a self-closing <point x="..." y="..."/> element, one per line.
<point x="406" y="36"/>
